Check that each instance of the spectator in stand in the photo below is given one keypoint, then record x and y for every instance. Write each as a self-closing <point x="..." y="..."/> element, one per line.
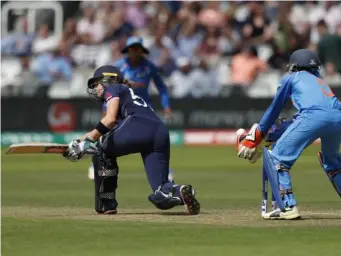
<point x="212" y="19"/>
<point x="332" y="15"/>
<point x="204" y="81"/>
<point x="22" y="81"/>
<point x="136" y="14"/>
<point x="279" y="58"/>
<point x="189" y="36"/>
<point x="257" y="29"/>
<point x="20" y="43"/>
<point x="181" y="80"/>
<point x="332" y="78"/>
<point x="229" y="41"/>
<point x="60" y="67"/>
<point x="159" y="51"/>
<point x="111" y="54"/>
<point x="104" y="11"/>
<point x="50" y="67"/>
<point x="195" y="30"/>
<point x="329" y="46"/>
<point x="173" y="6"/>
<point x="44" y="42"/>
<point x="70" y="36"/>
<point x="285" y="37"/>
<point x="272" y="9"/>
<point x="40" y="68"/>
<point x="246" y="66"/>
<point x="209" y="44"/>
<point x="27" y="79"/>
<point x="91" y="29"/>
<point x="118" y="27"/>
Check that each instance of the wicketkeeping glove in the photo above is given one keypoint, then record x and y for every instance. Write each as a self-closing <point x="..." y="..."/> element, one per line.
<point x="247" y="147"/>
<point x="79" y="149"/>
<point x="241" y="135"/>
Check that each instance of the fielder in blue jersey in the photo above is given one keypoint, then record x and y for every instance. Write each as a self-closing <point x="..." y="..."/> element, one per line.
<point x="139" y="71"/>
<point x="318" y="116"/>
<point x="129" y="126"/>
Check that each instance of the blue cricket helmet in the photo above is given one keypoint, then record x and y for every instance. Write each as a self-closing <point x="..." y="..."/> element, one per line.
<point x="304" y="59"/>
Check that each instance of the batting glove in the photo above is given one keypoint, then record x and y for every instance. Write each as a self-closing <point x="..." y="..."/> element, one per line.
<point x="79" y="149"/>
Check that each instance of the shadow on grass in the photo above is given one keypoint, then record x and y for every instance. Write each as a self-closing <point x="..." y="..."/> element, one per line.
<point x="321" y="218"/>
<point x="163" y="213"/>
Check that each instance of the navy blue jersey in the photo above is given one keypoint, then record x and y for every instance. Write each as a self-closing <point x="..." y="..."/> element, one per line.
<point x="130" y="103"/>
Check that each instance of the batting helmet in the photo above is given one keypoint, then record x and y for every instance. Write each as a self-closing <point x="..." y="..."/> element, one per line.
<point x="103" y="75"/>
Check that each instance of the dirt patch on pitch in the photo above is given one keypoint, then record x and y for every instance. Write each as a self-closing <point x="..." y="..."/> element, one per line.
<point x="236" y="218"/>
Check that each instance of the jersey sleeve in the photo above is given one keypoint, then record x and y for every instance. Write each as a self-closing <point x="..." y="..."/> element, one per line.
<point x="160" y="85"/>
<point x="271" y="114"/>
<point x="111" y="92"/>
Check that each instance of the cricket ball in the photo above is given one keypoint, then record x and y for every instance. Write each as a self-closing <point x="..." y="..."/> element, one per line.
<point x="240" y="131"/>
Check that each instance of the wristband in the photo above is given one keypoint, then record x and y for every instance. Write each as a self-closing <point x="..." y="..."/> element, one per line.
<point x="102" y="128"/>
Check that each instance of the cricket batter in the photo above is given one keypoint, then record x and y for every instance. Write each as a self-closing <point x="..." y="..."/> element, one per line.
<point x="129" y="126"/>
<point x="139" y="72"/>
<point x="318" y="116"/>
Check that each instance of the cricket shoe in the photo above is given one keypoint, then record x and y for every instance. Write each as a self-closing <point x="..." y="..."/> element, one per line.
<point x="108" y="207"/>
<point x="290" y="213"/>
<point x="188" y="197"/>
<point x="113" y="211"/>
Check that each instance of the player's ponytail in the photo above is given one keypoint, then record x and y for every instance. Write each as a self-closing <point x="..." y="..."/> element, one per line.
<point x="295" y="68"/>
<point x="126" y="82"/>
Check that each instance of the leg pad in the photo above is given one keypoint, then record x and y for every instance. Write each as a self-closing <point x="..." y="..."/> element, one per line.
<point x="106" y="177"/>
<point x="272" y="174"/>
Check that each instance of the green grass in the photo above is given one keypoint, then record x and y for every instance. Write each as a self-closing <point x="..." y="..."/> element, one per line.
<point x="47" y="209"/>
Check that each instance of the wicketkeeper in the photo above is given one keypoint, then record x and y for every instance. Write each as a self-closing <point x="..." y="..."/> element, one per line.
<point x="318" y="116"/>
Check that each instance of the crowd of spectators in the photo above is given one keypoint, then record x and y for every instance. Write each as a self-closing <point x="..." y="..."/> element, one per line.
<point x="187" y="40"/>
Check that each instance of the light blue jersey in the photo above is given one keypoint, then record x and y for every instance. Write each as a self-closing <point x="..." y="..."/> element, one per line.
<point x="143" y="74"/>
<point x="307" y="92"/>
<point x="318" y="117"/>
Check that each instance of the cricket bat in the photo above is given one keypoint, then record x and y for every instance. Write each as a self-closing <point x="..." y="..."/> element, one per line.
<point x="37" y="148"/>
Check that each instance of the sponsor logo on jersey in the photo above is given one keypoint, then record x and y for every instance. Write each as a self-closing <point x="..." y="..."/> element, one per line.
<point x="107" y="96"/>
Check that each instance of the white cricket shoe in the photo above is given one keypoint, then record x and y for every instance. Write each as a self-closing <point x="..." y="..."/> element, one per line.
<point x="290" y="213"/>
